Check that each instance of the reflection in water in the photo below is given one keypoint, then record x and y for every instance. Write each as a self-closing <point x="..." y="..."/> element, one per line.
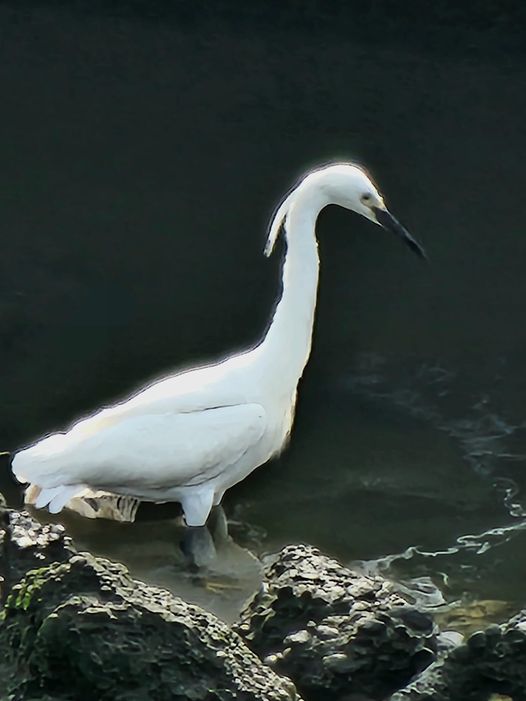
<point x="205" y="566"/>
<point x="105" y="505"/>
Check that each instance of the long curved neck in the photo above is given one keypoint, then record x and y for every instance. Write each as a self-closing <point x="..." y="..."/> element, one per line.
<point x="286" y="347"/>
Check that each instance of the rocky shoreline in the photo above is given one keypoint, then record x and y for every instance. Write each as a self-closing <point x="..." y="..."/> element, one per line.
<point x="75" y="626"/>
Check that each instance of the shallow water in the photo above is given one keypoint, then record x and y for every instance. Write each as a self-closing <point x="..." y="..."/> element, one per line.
<point x="143" y="161"/>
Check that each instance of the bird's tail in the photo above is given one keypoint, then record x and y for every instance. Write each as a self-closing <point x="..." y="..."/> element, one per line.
<point x="42" y="467"/>
<point x="55" y="498"/>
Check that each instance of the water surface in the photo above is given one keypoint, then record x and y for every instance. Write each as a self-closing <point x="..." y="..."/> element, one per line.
<point x="142" y="160"/>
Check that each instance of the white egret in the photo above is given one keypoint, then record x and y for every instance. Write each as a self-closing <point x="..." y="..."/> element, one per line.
<point x="191" y="436"/>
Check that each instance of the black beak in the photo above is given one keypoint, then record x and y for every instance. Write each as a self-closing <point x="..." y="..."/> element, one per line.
<point x="386" y="219"/>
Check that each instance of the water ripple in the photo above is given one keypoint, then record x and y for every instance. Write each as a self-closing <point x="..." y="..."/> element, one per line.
<point x="440" y="397"/>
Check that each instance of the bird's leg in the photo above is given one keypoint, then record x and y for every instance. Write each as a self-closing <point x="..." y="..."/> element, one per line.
<point x="218" y="496"/>
<point x="218" y="524"/>
<point x="198" y="546"/>
<point x="199" y="542"/>
<point x="197" y="504"/>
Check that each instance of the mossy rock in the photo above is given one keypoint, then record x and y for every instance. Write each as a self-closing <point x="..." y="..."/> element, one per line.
<point x="85" y="630"/>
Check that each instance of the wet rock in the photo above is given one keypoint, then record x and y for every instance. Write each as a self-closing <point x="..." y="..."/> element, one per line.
<point x="26" y="544"/>
<point x="31" y="545"/>
<point x="75" y="626"/>
<point x="337" y="634"/>
<point x="83" y="629"/>
<point x="5" y="538"/>
<point x="492" y="661"/>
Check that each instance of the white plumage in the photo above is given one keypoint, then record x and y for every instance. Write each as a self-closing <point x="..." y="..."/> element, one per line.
<point x="189" y="437"/>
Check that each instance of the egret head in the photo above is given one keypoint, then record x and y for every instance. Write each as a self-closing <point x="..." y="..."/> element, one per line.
<point x="348" y="186"/>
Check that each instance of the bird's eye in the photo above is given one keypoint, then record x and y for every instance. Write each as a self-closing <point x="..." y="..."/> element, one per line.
<point x="367" y="198"/>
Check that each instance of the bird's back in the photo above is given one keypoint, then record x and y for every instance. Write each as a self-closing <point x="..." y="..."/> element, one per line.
<point x="71" y="452"/>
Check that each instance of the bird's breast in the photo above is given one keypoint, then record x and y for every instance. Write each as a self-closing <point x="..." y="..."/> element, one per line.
<point x="280" y="417"/>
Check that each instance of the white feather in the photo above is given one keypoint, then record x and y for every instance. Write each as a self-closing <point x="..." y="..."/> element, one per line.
<point x="193" y="435"/>
<point x="278" y="220"/>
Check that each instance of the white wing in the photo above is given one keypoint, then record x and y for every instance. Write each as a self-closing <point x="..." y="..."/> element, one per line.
<point x="148" y="454"/>
<point x="197" y="389"/>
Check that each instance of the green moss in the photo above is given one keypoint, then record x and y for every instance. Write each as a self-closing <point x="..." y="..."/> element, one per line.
<point x="25" y="593"/>
<point x="84" y="629"/>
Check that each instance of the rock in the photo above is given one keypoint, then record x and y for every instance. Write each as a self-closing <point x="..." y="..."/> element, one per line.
<point x="76" y="626"/>
<point x="490" y="661"/>
<point x="26" y="544"/>
<point x="5" y="538"/>
<point x="32" y="545"/>
<point x="83" y="629"/>
<point x="337" y="634"/>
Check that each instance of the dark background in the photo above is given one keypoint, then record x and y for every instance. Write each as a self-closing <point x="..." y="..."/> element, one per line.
<point x="145" y="144"/>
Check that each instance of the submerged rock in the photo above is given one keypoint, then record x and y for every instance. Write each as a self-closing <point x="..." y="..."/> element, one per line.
<point x="467" y="618"/>
<point x="492" y="661"/>
<point x="334" y="632"/>
<point x="84" y="629"/>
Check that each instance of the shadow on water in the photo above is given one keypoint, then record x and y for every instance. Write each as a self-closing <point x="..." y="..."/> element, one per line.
<point x="146" y="150"/>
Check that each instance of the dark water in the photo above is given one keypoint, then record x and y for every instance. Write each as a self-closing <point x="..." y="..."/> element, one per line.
<point x="142" y="155"/>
